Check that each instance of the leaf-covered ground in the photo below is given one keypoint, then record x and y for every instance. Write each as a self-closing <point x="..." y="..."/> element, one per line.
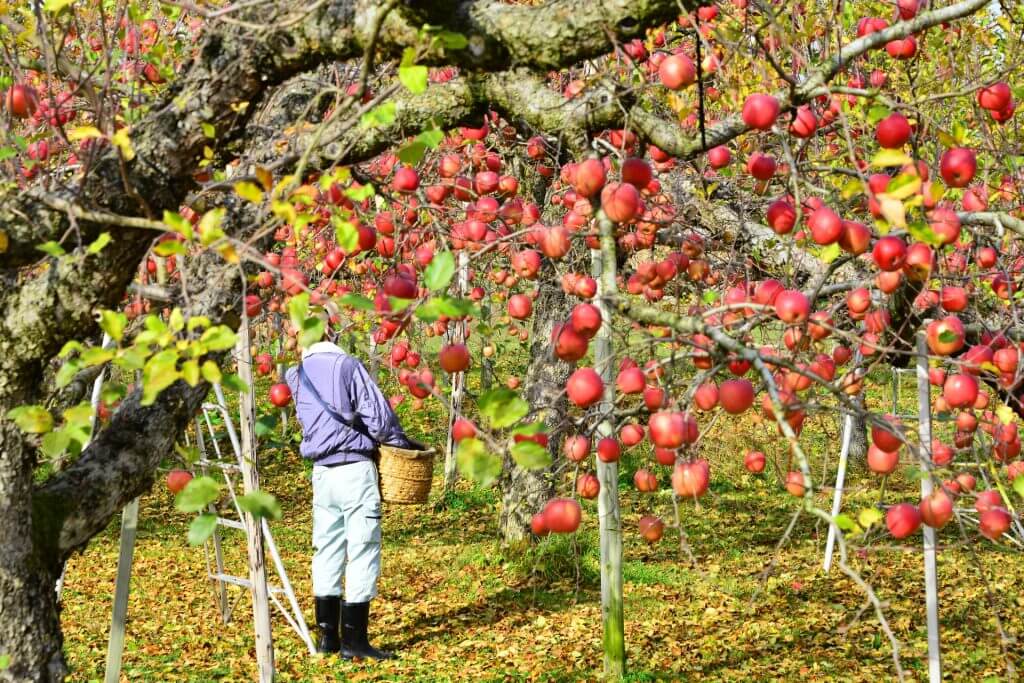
<point x="459" y="607"/>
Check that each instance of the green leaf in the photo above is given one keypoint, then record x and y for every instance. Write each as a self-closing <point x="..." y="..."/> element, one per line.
<point x="100" y="242"/>
<point x="197" y="494"/>
<point x="208" y="130"/>
<point x="55" y="443"/>
<point x="55" y="7"/>
<point x="249" y="192"/>
<point x="131" y="359"/>
<point x="113" y="323"/>
<point x="170" y="248"/>
<point x="434" y="307"/>
<point x="219" y="338"/>
<point x="179" y="224"/>
<point x="438" y="275"/>
<point x="381" y="115"/>
<point x="452" y="40"/>
<point x="160" y="372"/>
<point x="869" y="516"/>
<point x="5" y="154"/>
<point x="412" y="153"/>
<point x="31" y="419"/>
<point x="845" y="522"/>
<point x="890" y="157"/>
<point x="830" y="253"/>
<point x="201" y="528"/>
<point x="432" y="137"/>
<point x="79" y="415"/>
<point x="211" y="372"/>
<point x="358" y="194"/>
<point x="947" y="336"/>
<point x="190" y="372"/>
<point x="190" y="454"/>
<point x="5" y="661"/>
<point x="311" y="331"/>
<point x="260" y="504"/>
<point x="922" y="232"/>
<point x="475" y="463"/>
<point x="357" y="301"/>
<point x="346" y="234"/>
<point x="502" y="407"/>
<point x="51" y="248"/>
<point x="266" y="424"/>
<point x="67" y="373"/>
<point x="412" y="76"/>
<point x="710" y="296"/>
<point x="530" y="455"/>
<point x="877" y="113"/>
<point x="235" y="383"/>
<point x="298" y="308"/>
<point x="1018" y="485"/>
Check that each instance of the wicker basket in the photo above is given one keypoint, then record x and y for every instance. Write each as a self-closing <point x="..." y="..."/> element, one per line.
<point x="406" y="475"/>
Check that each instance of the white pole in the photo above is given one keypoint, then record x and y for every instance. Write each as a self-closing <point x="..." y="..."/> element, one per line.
<point x="837" y="496"/>
<point x="115" y="646"/>
<point x="249" y="464"/>
<point x="931" y="581"/>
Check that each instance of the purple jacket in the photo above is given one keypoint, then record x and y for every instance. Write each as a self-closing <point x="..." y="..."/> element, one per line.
<point x="345" y="385"/>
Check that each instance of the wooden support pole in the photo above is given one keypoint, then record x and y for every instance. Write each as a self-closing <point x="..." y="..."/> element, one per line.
<point x="249" y="465"/>
<point x="220" y="587"/>
<point x="451" y="473"/>
<point x="603" y="264"/>
<point x="931" y="580"/>
<point x="115" y="646"/>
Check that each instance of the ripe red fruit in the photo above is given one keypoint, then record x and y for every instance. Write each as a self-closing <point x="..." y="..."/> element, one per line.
<point x="620" y="202"/>
<point x="576" y="448"/>
<point x="453" y="358"/>
<point x="588" y="486"/>
<point x="754" y="461"/>
<point x="667" y="429"/>
<point x="902" y="49"/>
<point x="761" y="166"/>
<point x="630" y="381"/>
<point x="463" y="429"/>
<point x="882" y="462"/>
<point x="406" y="180"/>
<point x="887" y="439"/>
<point x="706" y="396"/>
<point x="736" y="395"/>
<point x="569" y="344"/>
<point x="21" y="100"/>
<point x="903" y="519"/>
<point x="562" y="515"/>
<point x="253" y="305"/>
<point x="995" y="97"/>
<point x="792" y="306"/>
<point x="890" y="252"/>
<point x="608" y="449"/>
<point x="280" y="395"/>
<point x="590" y="177"/>
<point x="651" y="528"/>
<point x="520" y="306"/>
<point x="586" y="320"/>
<point x="177" y="480"/>
<point x="804" y="123"/>
<point x="826" y="226"/>
<point x="960" y="390"/>
<point x="781" y="217"/>
<point x="719" y="157"/>
<point x="654" y="398"/>
<point x="893" y="131"/>
<point x="585" y="387"/>
<point x="994" y="523"/>
<point x="760" y="111"/>
<point x="691" y="479"/>
<point x="645" y="481"/>
<point x="957" y="166"/>
<point x="636" y="172"/>
<point x="677" y="72"/>
<point x="987" y="500"/>
<point x="795" y="483"/>
<point x="855" y="238"/>
<point x="953" y="299"/>
<point x="936" y="509"/>
<point x="539" y="525"/>
<point x="945" y="336"/>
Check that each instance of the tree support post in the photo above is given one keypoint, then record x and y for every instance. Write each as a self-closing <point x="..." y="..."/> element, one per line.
<point x="603" y="267"/>
<point x="451" y="474"/>
<point x="115" y="646"/>
<point x="931" y="580"/>
<point x="249" y="464"/>
<point x="837" y="496"/>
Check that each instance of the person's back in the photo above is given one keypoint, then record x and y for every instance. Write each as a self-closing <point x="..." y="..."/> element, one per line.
<point x="344" y="417"/>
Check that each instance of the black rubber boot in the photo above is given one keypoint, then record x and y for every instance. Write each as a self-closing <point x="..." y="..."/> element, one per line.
<point x="355" y="617"/>
<point x="328" y="612"/>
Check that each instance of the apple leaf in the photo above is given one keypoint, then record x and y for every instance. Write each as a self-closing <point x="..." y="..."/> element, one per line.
<point x="846" y="523"/>
<point x="890" y="157"/>
<point x="211" y="372"/>
<point x="877" y="113"/>
<point x="476" y="463"/>
<point x="31" y="419"/>
<point x="1018" y="485"/>
<point x="260" y="504"/>
<point x="234" y="383"/>
<point x="438" y="275"/>
<point x="98" y="244"/>
<point x="381" y="115"/>
<point x="346" y="234"/>
<point x="412" y="153"/>
<point x="51" y="248"/>
<point x="266" y="424"/>
<point x="201" y="528"/>
<point x="412" y="75"/>
<point x="311" y="331"/>
<point x="947" y="336"/>
<point x="160" y="372"/>
<point x="503" y="407"/>
<point x="249" y="192"/>
<point x="869" y="516"/>
<point x="219" y="338"/>
<point x="829" y="253"/>
<point x="357" y="301"/>
<point x="298" y="308"/>
<point x="113" y="323"/>
<point x="197" y="494"/>
<point x="179" y="224"/>
<point x="530" y="455"/>
<point x="170" y="248"/>
<point x="530" y="429"/>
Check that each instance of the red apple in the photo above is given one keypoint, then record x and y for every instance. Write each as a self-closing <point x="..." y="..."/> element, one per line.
<point x="177" y="480"/>
<point x="754" y="461"/>
<point x="760" y="111"/>
<point x="792" y="306"/>
<point x="736" y="395"/>
<point x="957" y="166"/>
<point x="453" y="358"/>
<point x="960" y="390"/>
<point x="677" y="71"/>
<point x="893" y="131"/>
<point x="280" y="395"/>
<point x="585" y="387"/>
<point x="936" y="509"/>
<point x="588" y="486"/>
<point x="889" y="253"/>
<point x="562" y="515"/>
<point x="651" y="528"/>
<point x="576" y="448"/>
<point x="903" y="519"/>
<point x="691" y="479"/>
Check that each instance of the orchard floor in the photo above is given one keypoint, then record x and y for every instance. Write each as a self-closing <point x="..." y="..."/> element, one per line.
<point x="460" y="608"/>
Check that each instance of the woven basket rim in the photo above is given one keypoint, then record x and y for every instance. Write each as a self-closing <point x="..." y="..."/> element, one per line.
<point x="408" y="453"/>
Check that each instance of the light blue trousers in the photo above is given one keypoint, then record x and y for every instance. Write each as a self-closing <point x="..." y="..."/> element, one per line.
<point x="346" y="531"/>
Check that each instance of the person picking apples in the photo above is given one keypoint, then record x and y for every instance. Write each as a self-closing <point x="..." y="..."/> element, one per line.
<point x="344" y="417"/>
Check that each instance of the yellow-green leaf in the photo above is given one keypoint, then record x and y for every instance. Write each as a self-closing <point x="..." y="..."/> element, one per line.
<point x="890" y="157"/>
<point x="123" y="142"/>
<point x="31" y="419"/>
<point x="249" y="192"/>
<point x="113" y="323"/>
